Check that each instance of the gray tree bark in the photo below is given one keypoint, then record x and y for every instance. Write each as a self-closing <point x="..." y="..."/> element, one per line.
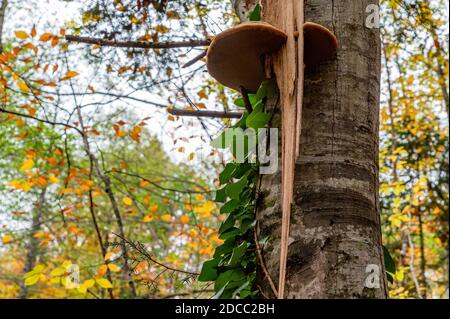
<point x="335" y="232"/>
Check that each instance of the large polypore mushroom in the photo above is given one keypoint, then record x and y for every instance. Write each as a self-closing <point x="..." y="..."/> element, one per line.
<point x="235" y="57"/>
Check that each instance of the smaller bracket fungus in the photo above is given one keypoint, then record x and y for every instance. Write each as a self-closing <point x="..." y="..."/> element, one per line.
<point x="235" y="56"/>
<point x="320" y="44"/>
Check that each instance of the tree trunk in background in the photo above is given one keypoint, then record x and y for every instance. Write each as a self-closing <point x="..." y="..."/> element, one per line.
<point x="335" y="232"/>
<point x="33" y="245"/>
<point x="3" y="7"/>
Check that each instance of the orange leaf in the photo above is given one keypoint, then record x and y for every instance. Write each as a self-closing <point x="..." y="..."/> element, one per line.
<point x="69" y="75"/>
<point x="23" y="87"/>
<point x="184" y="219"/>
<point x="7" y="239"/>
<point x="102" y="270"/>
<point x="45" y="37"/>
<point x="21" y="35"/>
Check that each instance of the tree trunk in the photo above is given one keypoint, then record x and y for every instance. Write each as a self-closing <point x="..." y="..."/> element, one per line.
<point x="33" y="245"/>
<point x="335" y="235"/>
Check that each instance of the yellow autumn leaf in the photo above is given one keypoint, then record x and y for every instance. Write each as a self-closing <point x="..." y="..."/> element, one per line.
<point x="104" y="283"/>
<point x="32" y="280"/>
<point x="57" y="272"/>
<point x="113" y="268"/>
<point x="82" y="289"/>
<point x="148" y="218"/>
<point x="7" y="239"/>
<point x="21" y="35"/>
<point x="23" y="86"/>
<point x="109" y="255"/>
<point x="69" y="75"/>
<point x="53" y="179"/>
<point x="89" y="283"/>
<point x="27" y="165"/>
<point x="127" y="201"/>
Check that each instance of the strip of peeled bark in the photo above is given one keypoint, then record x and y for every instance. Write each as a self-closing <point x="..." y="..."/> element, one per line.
<point x="335" y="234"/>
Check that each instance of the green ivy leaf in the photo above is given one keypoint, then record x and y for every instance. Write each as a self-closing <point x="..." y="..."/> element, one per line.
<point x="231" y="233"/>
<point x="230" y="206"/>
<point x="227" y="224"/>
<point x="230" y="278"/>
<point x="239" y="102"/>
<point x="235" y="189"/>
<point x="257" y="120"/>
<point x="209" y="270"/>
<point x="267" y="89"/>
<point x="389" y="264"/>
<point x="255" y="15"/>
<point x="221" y="196"/>
<point x="388" y="261"/>
<point x="225" y="248"/>
<point x="227" y="173"/>
<point x="219" y="142"/>
<point x="237" y="254"/>
<point x="220" y="292"/>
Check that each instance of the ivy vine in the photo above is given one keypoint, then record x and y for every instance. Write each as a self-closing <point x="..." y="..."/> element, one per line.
<point x="233" y="267"/>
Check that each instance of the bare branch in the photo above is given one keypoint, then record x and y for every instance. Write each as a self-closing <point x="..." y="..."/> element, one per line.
<point x="212" y="114"/>
<point x="2" y="110"/>
<point x="139" y="44"/>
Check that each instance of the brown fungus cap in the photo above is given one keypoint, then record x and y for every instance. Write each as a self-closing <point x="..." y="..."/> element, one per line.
<point x="320" y="43"/>
<point x="235" y="56"/>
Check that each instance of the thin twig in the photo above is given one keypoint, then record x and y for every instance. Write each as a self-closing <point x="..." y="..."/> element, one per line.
<point x="263" y="266"/>
<point x="194" y="60"/>
<point x="144" y="252"/>
<point x="41" y="120"/>
<point x="248" y="104"/>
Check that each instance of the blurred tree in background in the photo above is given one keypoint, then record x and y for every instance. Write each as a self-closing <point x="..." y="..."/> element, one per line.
<point x="94" y="172"/>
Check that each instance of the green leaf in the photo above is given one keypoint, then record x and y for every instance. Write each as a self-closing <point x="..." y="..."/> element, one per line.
<point x="235" y="189"/>
<point x="255" y="15"/>
<point x="227" y="173"/>
<point x="267" y="89"/>
<point x="209" y="270"/>
<point x="220" y="292"/>
<point x="230" y="278"/>
<point x="231" y="233"/>
<point x="230" y="206"/>
<point x="389" y="265"/>
<point x="242" y="287"/>
<point x="257" y="120"/>
<point x="225" y="248"/>
<point x="221" y="196"/>
<point x="227" y="224"/>
<point x="239" y="102"/>
<point x="237" y="254"/>
<point x="388" y="261"/>
<point x="219" y="142"/>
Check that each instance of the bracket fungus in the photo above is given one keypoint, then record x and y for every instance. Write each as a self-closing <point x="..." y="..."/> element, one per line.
<point x="320" y="44"/>
<point x="235" y="57"/>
